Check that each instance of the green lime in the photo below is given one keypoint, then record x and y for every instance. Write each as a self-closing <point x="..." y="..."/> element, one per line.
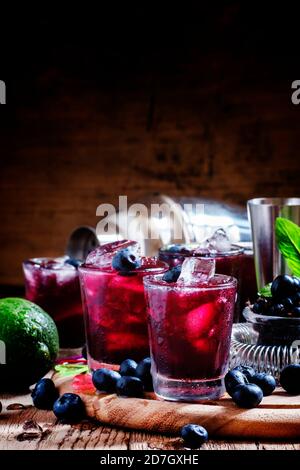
<point x="28" y="343"/>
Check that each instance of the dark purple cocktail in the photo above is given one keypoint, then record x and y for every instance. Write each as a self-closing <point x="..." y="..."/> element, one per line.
<point x="190" y="327"/>
<point x="229" y="262"/>
<point x="115" y="307"/>
<point x="53" y="284"/>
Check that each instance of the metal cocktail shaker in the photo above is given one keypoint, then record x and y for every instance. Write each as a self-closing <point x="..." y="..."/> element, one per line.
<point x="262" y="213"/>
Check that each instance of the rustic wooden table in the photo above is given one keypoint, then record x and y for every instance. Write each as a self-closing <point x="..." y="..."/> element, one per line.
<point x="31" y="429"/>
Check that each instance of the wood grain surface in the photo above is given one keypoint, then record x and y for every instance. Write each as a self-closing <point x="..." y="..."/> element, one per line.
<point x="278" y="415"/>
<point x="25" y="427"/>
<point x="19" y="430"/>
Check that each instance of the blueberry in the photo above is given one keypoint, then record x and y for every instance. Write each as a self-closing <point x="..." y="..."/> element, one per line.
<point x="130" y="387"/>
<point x="126" y="260"/>
<point x="128" y="367"/>
<point x="260" y="306"/>
<point x="297" y="283"/>
<point x="283" y="286"/>
<point x="247" y="371"/>
<point x="174" y="248"/>
<point x="177" y="248"/>
<point x="264" y="381"/>
<point x="296" y="298"/>
<point x="296" y="311"/>
<point x="290" y="379"/>
<point x="74" y="262"/>
<point x="105" y="380"/>
<point x="193" y="435"/>
<point x="232" y="379"/>
<point x="84" y="352"/>
<point x="172" y="275"/>
<point x="69" y="408"/>
<point x="247" y="396"/>
<point x="143" y="372"/>
<point x="288" y="304"/>
<point x="44" y="394"/>
<point x="278" y="310"/>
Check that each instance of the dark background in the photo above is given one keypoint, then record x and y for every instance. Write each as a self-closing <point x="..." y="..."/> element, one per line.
<point x="187" y="100"/>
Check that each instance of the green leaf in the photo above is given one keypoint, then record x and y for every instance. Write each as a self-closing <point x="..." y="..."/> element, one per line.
<point x="266" y="290"/>
<point x="288" y="243"/>
<point x="67" y="370"/>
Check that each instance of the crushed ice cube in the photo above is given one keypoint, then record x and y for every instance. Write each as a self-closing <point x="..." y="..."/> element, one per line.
<point x="51" y="263"/>
<point x="218" y="242"/>
<point x="197" y="270"/>
<point x="103" y="255"/>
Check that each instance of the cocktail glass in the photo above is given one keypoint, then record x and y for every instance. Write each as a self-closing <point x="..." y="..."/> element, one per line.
<point x="115" y="311"/>
<point x="230" y="262"/>
<point x="53" y="284"/>
<point x="190" y="328"/>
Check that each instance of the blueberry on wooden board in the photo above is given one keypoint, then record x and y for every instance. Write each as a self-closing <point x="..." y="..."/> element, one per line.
<point x="105" y="380"/>
<point x="143" y="372"/>
<point x="44" y="394"/>
<point x="194" y="435"/>
<point x="128" y="367"/>
<point x="69" y="408"/>
<point x="247" y="396"/>
<point x="130" y="387"/>
<point x="264" y="381"/>
<point x="290" y="379"/>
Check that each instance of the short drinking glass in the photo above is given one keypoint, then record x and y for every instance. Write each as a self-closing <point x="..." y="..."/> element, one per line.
<point x="190" y="328"/>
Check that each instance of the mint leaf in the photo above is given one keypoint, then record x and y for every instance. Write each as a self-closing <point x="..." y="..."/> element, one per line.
<point x="67" y="370"/>
<point x="288" y="243"/>
<point x="266" y="290"/>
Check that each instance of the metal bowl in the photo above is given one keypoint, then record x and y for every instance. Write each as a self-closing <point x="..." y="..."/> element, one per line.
<point x="246" y="347"/>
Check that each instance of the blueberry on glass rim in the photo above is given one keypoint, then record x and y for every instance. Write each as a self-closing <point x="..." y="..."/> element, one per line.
<point x="172" y="275"/>
<point x="126" y="261"/>
<point x="74" y="262"/>
<point x="177" y="248"/>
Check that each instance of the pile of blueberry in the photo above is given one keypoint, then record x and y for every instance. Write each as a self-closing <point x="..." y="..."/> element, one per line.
<point x="248" y="387"/>
<point x="131" y="380"/>
<point x="69" y="408"/>
<point x="285" y="299"/>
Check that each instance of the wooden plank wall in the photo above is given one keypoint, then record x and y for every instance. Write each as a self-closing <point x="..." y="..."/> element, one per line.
<point x="200" y="109"/>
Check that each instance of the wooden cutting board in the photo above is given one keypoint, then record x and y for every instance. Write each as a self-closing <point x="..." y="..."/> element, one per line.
<point x="278" y="416"/>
